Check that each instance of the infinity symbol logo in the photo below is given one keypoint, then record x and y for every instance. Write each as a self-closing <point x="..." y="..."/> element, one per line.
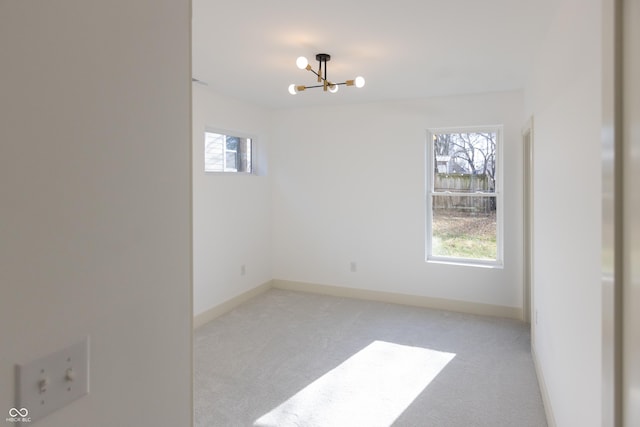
<point x="23" y="412"/>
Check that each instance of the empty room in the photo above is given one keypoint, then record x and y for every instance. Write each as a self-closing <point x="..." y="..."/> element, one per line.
<point x="350" y="156"/>
<point x="410" y="213"/>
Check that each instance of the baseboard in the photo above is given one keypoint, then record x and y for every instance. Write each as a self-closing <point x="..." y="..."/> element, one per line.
<point x="228" y="305"/>
<point x="364" y="294"/>
<point x="548" y="409"/>
<point x="413" y="300"/>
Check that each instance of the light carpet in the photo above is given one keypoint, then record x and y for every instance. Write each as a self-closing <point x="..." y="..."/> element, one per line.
<point x="296" y="359"/>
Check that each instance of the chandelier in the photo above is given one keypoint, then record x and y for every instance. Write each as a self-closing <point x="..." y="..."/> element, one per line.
<point x="321" y="74"/>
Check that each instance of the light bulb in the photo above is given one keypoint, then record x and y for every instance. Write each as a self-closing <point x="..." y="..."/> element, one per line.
<point x="292" y="89"/>
<point x="359" y="81"/>
<point x="302" y="62"/>
<point x="333" y="88"/>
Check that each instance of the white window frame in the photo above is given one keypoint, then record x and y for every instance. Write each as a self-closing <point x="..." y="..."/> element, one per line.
<point x="498" y="194"/>
<point x="228" y="133"/>
<point x="225" y="151"/>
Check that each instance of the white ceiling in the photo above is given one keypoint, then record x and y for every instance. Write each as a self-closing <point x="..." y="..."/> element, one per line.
<point x="404" y="48"/>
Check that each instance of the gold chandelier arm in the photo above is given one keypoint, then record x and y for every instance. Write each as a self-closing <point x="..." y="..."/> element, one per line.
<point x="316" y="73"/>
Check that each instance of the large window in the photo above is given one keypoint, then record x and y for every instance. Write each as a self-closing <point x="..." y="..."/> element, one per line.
<point x="226" y="153"/>
<point x="464" y="200"/>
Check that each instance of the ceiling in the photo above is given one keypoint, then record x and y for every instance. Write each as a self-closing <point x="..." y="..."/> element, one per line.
<point x="404" y="48"/>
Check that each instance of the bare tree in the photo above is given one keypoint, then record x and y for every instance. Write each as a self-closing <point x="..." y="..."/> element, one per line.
<point x="464" y="151"/>
<point x="488" y="153"/>
<point x="473" y="153"/>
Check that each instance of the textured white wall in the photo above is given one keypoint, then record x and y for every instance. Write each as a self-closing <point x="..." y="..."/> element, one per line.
<point x="95" y="216"/>
<point x="349" y="185"/>
<point x="232" y="213"/>
<point x="564" y="95"/>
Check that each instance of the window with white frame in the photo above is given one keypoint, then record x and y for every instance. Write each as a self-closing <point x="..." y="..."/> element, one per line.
<point x="227" y="153"/>
<point x="464" y="197"/>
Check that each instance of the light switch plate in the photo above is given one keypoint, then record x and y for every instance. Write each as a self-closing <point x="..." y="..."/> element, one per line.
<point x="53" y="381"/>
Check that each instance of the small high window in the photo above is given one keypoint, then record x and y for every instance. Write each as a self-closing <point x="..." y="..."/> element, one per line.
<point x="464" y="200"/>
<point x="226" y="153"/>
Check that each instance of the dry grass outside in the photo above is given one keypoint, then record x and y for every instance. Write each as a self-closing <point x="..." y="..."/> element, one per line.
<point x="464" y="235"/>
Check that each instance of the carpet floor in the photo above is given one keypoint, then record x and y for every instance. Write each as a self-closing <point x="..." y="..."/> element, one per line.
<point x="297" y="359"/>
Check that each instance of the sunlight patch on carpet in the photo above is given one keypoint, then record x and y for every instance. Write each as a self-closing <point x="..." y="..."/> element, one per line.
<point x="371" y="388"/>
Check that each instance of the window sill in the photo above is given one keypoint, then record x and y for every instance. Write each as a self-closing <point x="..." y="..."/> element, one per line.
<point x="466" y="262"/>
<point x="229" y="173"/>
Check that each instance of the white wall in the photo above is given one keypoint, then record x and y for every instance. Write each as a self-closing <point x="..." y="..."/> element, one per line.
<point x="349" y="185"/>
<point x="232" y="213"/>
<point x="564" y="95"/>
<point x="95" y="216"/>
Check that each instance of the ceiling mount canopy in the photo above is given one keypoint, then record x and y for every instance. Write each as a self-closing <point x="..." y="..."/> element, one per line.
<point x="321" y="74"/>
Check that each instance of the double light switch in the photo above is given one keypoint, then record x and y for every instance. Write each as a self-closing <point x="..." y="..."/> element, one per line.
<point x="53" y="381"/>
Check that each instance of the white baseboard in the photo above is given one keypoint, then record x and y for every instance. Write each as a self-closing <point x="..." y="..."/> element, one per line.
<point x="220" y="309"/>
<point x="364" y="294"/>
<point x="413" y="300"/>
<point x="548" y="409"/>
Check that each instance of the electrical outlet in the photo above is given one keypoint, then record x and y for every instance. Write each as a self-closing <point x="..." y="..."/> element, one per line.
<point x="354" y="266"/>
<point x="53" y="381"/>
<point x="536" y="317"/>
<point x="243" y="270"/>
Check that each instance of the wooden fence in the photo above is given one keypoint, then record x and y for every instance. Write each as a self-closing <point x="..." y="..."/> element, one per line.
<point x="464" y="183"/>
